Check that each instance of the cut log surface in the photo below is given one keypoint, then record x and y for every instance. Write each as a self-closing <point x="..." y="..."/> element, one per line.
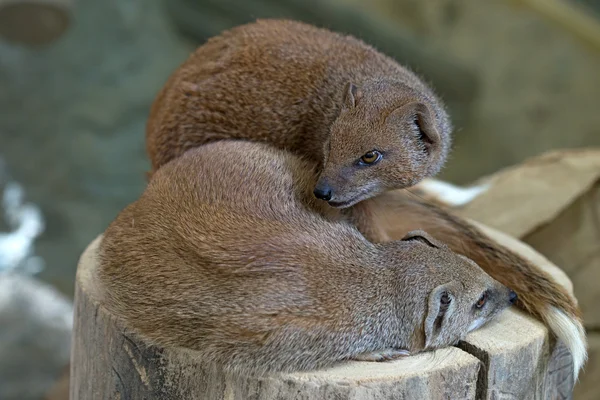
<point x="510" y="358"/>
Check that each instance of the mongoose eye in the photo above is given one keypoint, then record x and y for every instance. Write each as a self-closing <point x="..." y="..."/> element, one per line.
<point x="370" y="158"/>
<point x="482" y="300"/>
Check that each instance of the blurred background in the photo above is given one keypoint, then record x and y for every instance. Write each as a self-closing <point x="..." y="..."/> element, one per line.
<point x="77" y="78"/>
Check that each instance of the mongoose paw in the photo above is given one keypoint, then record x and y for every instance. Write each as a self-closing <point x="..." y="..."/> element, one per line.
<point x="382" y="355"/>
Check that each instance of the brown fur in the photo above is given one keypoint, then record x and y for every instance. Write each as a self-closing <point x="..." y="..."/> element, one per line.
<point x="224" y="254"/>
<point x="290" y="84"/>
<point x="400" y="212"/>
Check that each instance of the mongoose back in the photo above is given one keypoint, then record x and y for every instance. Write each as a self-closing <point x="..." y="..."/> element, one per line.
<point x="225" y="254"/>
<point x="294" y="86"/>
<point x="368" y="125"/>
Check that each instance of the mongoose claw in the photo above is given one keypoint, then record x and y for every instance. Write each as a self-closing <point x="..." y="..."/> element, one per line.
<point x="382" y="355"/>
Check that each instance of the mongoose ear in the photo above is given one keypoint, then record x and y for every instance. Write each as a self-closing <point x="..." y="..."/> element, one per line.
<point x="422" y="237"/>
<point x="351" y="95"/>
<point x="420" y="118"/>
<point x="440" y="307"/>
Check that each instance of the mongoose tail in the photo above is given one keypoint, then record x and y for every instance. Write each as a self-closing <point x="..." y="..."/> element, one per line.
<point x="539" y="294"/>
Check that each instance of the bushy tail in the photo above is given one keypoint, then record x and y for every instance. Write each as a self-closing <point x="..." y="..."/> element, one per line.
<point x="444" y="193"/>
<point x="539" y="294"/>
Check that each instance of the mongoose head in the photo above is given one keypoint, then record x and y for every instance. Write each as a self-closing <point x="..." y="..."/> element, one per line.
<point x="458" y="295"/>
<point x="387" y="136"/>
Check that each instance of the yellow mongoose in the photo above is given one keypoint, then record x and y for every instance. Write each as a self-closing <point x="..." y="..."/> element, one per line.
<point x="367" y="123"/>
<point x="226" y="254"/>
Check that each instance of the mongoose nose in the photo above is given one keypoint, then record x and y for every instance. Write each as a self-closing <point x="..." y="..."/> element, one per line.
<point x="512" y="297"/>
<point x="323" y="193"/>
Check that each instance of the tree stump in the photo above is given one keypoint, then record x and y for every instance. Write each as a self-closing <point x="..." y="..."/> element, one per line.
<point x="510" y="358"/>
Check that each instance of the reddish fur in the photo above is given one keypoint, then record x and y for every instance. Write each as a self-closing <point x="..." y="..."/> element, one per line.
<point x="282" y="82"/>
<point x="399" y="212"/>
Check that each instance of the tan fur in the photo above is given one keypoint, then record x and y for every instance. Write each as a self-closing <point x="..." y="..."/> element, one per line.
<point x="398" y="212"/>
<point x="225" y="254"/>
<point x="286" y="83"/>
<point x="330" y="98"/>
<point x="401" y="212"/>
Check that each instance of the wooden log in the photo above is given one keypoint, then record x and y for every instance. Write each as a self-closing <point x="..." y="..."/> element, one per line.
<point x="513" y="357"/>
<point x="34" y="22"/>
